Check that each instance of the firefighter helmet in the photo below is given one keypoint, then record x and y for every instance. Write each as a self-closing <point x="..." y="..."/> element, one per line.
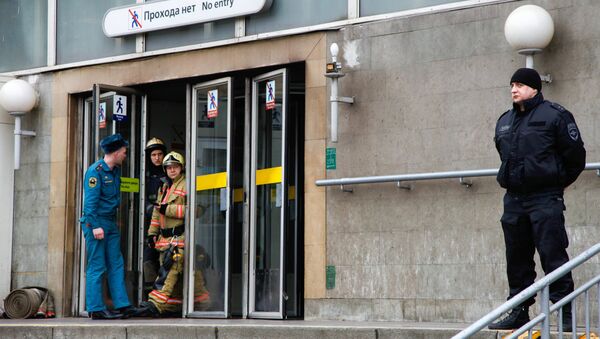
<point x="154" y="144"/>
<point x="173" y="158"/>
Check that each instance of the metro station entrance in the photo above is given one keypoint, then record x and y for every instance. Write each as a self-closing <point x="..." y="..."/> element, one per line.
<point x="242" y="136"/>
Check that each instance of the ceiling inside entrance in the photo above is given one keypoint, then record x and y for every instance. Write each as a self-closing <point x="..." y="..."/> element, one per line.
<point x="165" y="91"/>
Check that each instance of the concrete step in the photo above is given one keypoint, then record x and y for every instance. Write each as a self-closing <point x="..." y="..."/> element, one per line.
<point x="226" y="328"/>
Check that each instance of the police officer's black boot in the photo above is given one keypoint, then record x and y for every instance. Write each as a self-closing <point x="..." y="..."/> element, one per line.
<point x="146" y="309"/>
<point x="516" y="318"/>
<point x="567" y="318"/>
<point x="105" y="315"/>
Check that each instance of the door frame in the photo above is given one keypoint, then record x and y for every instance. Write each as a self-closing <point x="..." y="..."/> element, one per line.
<point x="191" y="177"/>
<point x="88" y="106"/>
<point x="252" y="313"/>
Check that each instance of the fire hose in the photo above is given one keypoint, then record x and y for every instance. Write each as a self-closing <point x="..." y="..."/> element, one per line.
<point x="29" y="302"/>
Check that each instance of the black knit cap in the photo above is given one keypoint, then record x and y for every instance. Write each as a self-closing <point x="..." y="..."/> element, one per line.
<point x="529" y="77"/>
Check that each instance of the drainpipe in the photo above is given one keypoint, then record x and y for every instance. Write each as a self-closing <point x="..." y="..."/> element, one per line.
<point x="334" y="72"/>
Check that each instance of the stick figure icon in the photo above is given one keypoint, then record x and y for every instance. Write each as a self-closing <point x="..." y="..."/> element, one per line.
<point x="213" y="103"/>
<point x="135" y="19"/>
<point x="119" y="106"/>
<point x="269" y="92"/>
<point x="276" y="117"/>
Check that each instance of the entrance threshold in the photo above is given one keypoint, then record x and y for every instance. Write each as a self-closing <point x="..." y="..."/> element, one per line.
<point x="227" y="328"/>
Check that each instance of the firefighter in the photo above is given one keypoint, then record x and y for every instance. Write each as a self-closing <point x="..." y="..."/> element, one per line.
<point x="166" y="235"/>
<point x="155" y="179"/>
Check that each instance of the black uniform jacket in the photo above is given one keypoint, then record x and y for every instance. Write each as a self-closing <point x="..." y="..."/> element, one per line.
<point x="540" y="148"/>
<point x="155" y="178"/>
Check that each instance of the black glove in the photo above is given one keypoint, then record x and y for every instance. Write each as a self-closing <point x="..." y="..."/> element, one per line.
<point x="150" y="241"/>
<point x="163" y="209"/>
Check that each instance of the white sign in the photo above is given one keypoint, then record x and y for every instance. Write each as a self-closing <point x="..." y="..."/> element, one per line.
<point x="102" y="115"/>
<point x="119" y="108"/>
<point x="152" y="16"/>
<point x="212" y="109"/>
<point x="270" y="94"/>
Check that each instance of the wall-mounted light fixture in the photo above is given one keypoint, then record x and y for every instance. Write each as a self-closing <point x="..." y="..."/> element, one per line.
<point x="334" y="72"/>
<point x="18" y="98"/>
<point x="529" y="29"/>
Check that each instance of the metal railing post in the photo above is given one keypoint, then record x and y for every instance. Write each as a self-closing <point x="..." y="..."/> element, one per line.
<point x="587" y="314"/>
<point x="545" y="306"/>
<point x="598" y="306"/>
<point x="574" y="315"/>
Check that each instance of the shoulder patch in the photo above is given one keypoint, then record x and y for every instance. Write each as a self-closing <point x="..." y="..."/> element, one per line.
<point x="92" y="182"/>
<point x="557" y="107"/>
<point x="573" y="131"/>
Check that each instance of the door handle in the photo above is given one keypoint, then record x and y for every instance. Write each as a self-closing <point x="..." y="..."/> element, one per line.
<point x="278" y="195"/>
<point x="224" y="202"/>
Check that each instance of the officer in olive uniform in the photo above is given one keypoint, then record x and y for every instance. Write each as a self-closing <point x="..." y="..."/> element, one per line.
<point x="166" y="234"/>
<point x="102" y="197"/>
<point x="155" y="178"/>
<point x="542" y="153"/>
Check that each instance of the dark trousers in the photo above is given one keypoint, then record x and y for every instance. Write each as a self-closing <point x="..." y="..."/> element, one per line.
<point x="150" y="258"/>
<point x="533" y="222"/>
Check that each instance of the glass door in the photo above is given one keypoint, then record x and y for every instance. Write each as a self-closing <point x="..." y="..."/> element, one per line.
<point x="113" y="110"/>
<point x="268" y="195"/>
<point x="208" y="243"/>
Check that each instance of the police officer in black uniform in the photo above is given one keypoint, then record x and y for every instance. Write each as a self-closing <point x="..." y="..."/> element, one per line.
<point x="155" y="179"/>
<point x="542" y="153"/>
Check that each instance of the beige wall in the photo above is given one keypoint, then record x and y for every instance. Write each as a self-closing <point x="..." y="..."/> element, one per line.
<point x="309" y="48"/>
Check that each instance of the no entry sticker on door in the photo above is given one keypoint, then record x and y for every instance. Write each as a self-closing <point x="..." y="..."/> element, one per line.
<point x="102" y="115"/>
<point x="212" y="98"/>
<point x="270" y="94"/>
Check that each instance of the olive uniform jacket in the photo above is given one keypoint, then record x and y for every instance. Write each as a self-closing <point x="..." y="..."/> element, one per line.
<point x="165" y="225"/>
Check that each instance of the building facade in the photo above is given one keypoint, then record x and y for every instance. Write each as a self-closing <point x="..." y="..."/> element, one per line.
<point x="246" y="99"/>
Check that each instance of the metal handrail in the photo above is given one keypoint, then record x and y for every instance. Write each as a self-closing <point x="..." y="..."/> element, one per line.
<point x="423" y="176"/>
<point x="544" y="286"/>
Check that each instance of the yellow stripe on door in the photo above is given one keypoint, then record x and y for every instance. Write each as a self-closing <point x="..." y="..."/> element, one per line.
<point x="211" y="181"/>
<point x="238" y="194"/>
<point x="268" y="176"/>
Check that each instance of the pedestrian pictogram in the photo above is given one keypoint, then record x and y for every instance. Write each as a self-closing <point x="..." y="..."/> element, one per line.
<point x="102" y="115"/>
<point x="213" y="103"/>
<point x="276" y="119"/>
<point x="120" y="108"/>
<point x="270" y="94"/>
<point x="135" y="20"/>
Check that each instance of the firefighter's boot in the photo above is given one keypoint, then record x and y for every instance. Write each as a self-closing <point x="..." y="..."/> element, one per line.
<point x="146" y="309"/>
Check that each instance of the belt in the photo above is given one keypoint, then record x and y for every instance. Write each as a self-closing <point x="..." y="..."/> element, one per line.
<point x="172" y="231"/>
<point x="537" y="193"/>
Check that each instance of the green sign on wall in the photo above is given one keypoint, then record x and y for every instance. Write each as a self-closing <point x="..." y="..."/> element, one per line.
<point x="131" y="185"/>
<point x="330" y="277"/>
<point x="330" y="158"/>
